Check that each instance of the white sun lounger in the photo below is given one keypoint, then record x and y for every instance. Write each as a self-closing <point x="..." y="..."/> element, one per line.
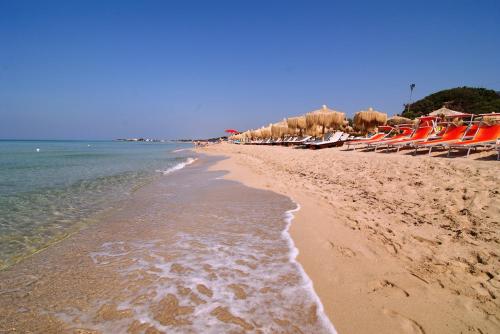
<point x="330" y="141"/>
<point x="301" y="140"/>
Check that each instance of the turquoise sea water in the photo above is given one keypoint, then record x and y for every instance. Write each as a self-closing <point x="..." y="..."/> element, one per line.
<point x="49" y="189"/>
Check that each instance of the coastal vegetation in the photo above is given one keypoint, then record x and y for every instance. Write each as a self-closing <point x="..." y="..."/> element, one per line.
<point x="467" y="99"/>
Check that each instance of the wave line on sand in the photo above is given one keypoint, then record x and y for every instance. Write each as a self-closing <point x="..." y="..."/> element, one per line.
<point x="181" y="150"/>
<point x="294" y="252"/>
<point x="179" y="166"/>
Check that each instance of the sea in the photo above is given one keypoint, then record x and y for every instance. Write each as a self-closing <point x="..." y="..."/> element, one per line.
<point x="50" y="189"/>
<point x="135" y="237"/>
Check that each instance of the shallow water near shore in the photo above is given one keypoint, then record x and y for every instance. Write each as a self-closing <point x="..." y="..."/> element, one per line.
<point x="50" y="189"/>
<point x="189" y="253"/>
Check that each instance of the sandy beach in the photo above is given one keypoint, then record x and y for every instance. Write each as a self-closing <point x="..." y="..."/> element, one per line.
<point x="393" y="243"/>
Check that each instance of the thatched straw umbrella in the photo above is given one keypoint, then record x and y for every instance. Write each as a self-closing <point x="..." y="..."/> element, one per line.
<point x="297" y="124"/>
<point x="493" y="118"/>
<point x="326" y="118"/>
<point x="397" y="120"/>
<point x="367" y="120"/>
<point x="244" y="136"/>
<point x="280" y="129"/>
<point x="255" y="134"/>
<point x="443" y="111"/>
<point x="266" y="132"/>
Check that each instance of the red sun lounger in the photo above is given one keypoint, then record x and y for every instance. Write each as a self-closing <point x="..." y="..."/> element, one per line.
<point x="372" y="139"/>
<point x="406" y="133"/>
<point x="420" y="134"/>
<point x="486" y="136"/>
<point x="453" y="134"/>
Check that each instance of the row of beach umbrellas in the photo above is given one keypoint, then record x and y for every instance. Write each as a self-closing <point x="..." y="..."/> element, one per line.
<point x="318" y="122"/>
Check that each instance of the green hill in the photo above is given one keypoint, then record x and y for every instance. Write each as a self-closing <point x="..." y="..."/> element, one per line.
<point x="466" y="99"/>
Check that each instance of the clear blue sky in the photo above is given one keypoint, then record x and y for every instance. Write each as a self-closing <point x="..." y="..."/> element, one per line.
<point x="168" y="69"/>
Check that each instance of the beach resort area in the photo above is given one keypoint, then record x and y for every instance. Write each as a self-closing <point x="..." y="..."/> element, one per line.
<point x="396" y="235"/>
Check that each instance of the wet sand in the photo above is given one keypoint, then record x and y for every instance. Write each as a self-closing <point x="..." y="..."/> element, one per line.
<point x="190" y="253"/>
<point x="393" y="243"/>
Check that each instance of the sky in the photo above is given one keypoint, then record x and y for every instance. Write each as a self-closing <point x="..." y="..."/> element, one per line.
<point x="190" y="69"/>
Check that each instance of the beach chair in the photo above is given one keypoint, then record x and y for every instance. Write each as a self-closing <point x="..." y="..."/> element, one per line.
<point x="366" y="140"/>
<point x="325" y="137"/>
<point x="421" y="134"/>
<point x="286" y="140"/>
<point x="343" y="139"/>
<point x="290" y="140"/>
<point x="451" y="134"/>
<point x="331" y="140"/>
<point x="498" y="149"/>
<point x="406" y="132"/>
<point x="301" y="140"/>
<point x="277" y="141"/>
<point x="311" y="140"/>
<point x="486" y="136"/>
<point x="424" y="129"/>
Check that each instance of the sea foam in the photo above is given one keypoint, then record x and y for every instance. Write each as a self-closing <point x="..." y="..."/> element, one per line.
<point x="294" y="252"/>
<point x="179" y="166"/>
<point x="241" y="262"/>
<point x="181" y="150"/>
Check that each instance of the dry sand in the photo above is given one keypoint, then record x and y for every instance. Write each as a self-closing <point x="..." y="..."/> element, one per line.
<point x="393" y="243"/>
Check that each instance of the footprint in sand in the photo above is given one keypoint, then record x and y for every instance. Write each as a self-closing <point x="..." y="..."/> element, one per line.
<point x="407" y="325"/>
<point x="344" y="251"/>
<point x="385" y="284"/>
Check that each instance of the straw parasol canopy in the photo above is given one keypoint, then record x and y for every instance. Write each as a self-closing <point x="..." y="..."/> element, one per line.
<point x="265" y="132"/>
<point x="493" y="118"/>
<point x="279" y="129"/>
<point x="325" y="118"/>
<point x="397" y="120"/>
<point x="246" y="135"/>
<point x="254" y="134"/>
<point x="367" y="120"/>
<point x="297" y="124"/>
<point x="315" y="131"/>
<point x="443" y="111"/>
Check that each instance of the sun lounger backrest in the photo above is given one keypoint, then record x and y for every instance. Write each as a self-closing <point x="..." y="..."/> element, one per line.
<point x="398" y="136"/>
<point x="454" y="132"/>
<point x="328" y="136"/>
<point x="303" y="139"/>
<point x="472" y="130"/>
<point x="376" y="136"/>
<point x="422" y="132"/>
<point x="406" y="131"/>
<point x="487" y="133"/>
<point x="336" y="136"/>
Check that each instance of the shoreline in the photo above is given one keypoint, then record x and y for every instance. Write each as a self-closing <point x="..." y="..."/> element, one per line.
<point x="293" y="258"/>
<point x="382" y="266"/>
